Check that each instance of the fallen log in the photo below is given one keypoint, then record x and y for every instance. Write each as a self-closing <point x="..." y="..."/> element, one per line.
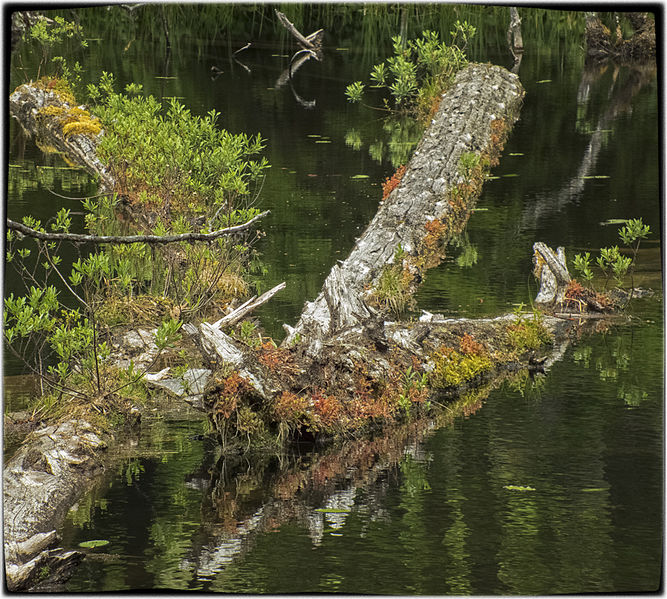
<point x="48" y="473"/>
<point x="429" y="206"/>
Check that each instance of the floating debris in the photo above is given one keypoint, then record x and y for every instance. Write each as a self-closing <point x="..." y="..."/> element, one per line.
<point x="359" y="177"/>
<point x="94" y="543"/>
<point x="518" y="488"/>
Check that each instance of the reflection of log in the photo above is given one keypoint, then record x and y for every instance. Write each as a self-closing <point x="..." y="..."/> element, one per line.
<point x="638" y="76"/>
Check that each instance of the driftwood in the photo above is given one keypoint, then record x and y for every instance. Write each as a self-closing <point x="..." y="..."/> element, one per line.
<point x="40" y="482"/>
<point x="310" y="42"/>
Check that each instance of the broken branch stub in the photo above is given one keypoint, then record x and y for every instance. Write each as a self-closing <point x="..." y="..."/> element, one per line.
<point x="550" y="269"/>
<point x="475" y="112"/>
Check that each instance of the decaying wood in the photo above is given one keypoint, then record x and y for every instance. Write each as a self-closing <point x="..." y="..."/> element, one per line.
<point x="550" y="269"/>
<point x="126" y="239"/>
<point x="514" y="38"/>
<point x="40" y="483"/>
<point x="247" y="307"/>
<point x="480" y="95"/>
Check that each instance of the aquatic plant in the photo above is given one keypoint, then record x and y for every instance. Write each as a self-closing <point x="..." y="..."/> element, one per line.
<point x="419" y="69"/>
<point x="451" y="368"/>
<point x="610" y="261"/>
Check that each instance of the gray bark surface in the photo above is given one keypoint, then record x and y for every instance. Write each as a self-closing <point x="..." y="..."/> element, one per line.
<point x="40" y="482"/>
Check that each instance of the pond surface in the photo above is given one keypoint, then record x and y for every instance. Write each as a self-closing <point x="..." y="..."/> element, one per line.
<point x="537" y="486"/>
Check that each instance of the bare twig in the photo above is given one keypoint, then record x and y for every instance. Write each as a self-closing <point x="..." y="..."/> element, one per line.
<point x="233" y="317"/>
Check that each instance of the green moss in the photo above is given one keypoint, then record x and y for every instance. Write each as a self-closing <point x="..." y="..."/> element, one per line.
<point x="452" y="369"/>
<point x="528" y="334"/>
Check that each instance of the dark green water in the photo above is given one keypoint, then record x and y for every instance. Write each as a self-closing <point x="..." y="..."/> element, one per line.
<point x="424" y="511"/>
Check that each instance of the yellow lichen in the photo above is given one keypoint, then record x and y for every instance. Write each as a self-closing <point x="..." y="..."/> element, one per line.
<point x="90" y="127"/>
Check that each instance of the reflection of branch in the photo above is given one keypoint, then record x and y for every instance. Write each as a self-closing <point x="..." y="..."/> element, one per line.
<point x="621" y="101"/>
<point x="293" y="67"/>
<point x="122" y="239"/>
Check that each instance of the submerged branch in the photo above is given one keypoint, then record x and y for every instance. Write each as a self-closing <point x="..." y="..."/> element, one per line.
<point x="124" y="239"/>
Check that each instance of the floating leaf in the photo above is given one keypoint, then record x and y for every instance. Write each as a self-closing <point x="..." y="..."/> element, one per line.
<point x="594" y="490"/>
<point x="517" y="154"/>
<point x="323" y="141"/>
<point x="511" y="175"/>
<point x="480" y="209"/>
<point x="313" y="135"/>
<point x="341" y="49"/>
<point x="94" y="543"/>
<point x="492" y="177"/>
<point x="327" y="510"/>
<point x="518" y="488"/>
<point x="544" y="81"/>
<point x="359" y="176"/>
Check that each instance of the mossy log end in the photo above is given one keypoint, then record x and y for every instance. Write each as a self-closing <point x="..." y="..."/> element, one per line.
<point x="43" y="113"/>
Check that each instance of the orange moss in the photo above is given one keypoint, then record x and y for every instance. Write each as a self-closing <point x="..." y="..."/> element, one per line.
<point x="289" y="407"/>
<point x="392" y="182"/>
<point x="469" y="346"/>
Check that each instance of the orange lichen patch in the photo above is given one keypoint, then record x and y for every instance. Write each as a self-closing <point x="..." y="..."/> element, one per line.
<point x="392" y="182"/>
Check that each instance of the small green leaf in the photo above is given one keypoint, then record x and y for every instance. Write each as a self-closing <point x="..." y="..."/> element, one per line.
<point x="544" y="81"/>
<point x="359" y="177"/>
<point x="332" y="510"/>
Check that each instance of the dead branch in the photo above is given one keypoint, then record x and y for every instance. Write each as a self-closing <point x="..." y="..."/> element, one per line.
<point x="120" y="239"/>
<point x="233" y="317"/>
<point x="310" y="42"/>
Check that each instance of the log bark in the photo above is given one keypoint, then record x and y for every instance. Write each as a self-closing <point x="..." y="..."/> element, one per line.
<point x="479" y="96"/>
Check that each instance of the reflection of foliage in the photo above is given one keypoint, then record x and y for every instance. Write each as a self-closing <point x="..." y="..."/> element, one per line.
<point x="400" y="134"/>
<point x="614" y="365"/>
<point x="415" y="479"/>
